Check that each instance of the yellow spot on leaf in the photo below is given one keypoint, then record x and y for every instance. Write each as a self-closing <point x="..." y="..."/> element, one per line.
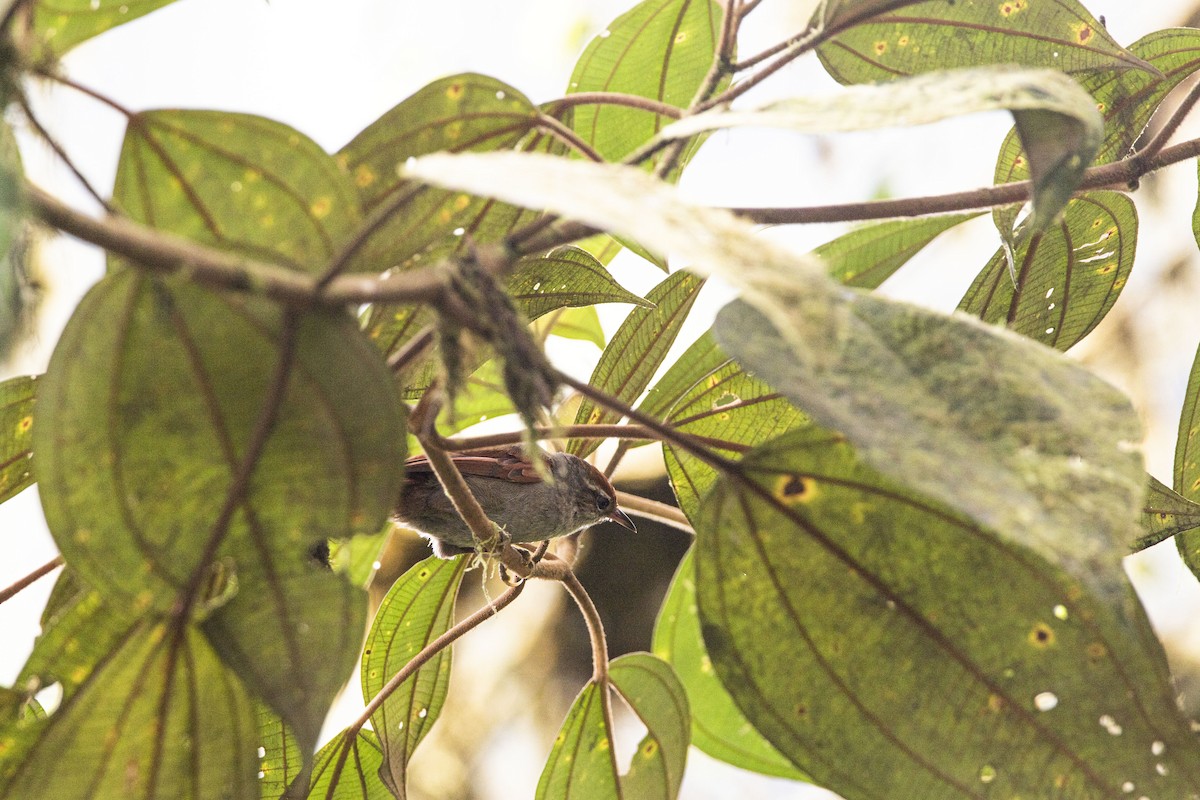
<point x="902" y="41"/>
<point x="267" y="221"/>
<point x="793" y="489"/>
<point x="251" y="176"/>
<point x="79" y="674"/>
<point x="83" y="535"/>
<point x="995" y="703"/>
<point x="23" y="425"/>
<point x="1107" y="268"/>
<point x="363" y="176"/>
<point x="454" y="91"/>
<point x="321" y="207"/>
<point x="1042" y="635"/>
<point x="1083" y="33"/>
<point x="453" y="131"/>
<point x="462" y="201"/>
<point x="880" y="48"/>
<point x="1097" y="651"/>
<point x="681" y="37"/>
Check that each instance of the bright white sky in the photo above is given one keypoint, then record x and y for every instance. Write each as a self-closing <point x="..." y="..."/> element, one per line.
<point x="329" y="69"/>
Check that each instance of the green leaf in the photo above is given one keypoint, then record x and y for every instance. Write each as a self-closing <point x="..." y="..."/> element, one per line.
<point x="417" y="609"/>
<point x="280" y="761"/>
<point x="1187" y="464"/>
<point x="59" y="25"/>
<point x="236" y="181"/>
<point x="869" y="255"/>
<point x="17" y="398"/>
<point x="150" y="398"/>
<point x="637" y="349"/>
<point x="1057" y="121"/>
<point x="482" y="398"/>
<point x="938" y="35"/>
<point x="1125" y="98"/>
<point x="1068" y="277"/>
<point x="877" y="638"/>
<point x="582" y="763"/>
<point x="79" y="632"/>
<point x="460" y="113"/>
<point x="161" y="717"/>
<point x="659" y="49"/>
<point x="718" y="726"/>
<point x="653" y="692"/>
<point x="358" y="776"/>
<point x="1166" y="513"/>
<point x="581" y="324"/>
<point x="567" y="277"/>
<point x="1040" y="450"/>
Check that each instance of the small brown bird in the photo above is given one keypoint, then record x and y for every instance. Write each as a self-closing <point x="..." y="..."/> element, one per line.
<point x="512" y="493"/>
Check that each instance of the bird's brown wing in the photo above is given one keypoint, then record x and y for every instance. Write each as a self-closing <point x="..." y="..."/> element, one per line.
<point x="508" y="464"/>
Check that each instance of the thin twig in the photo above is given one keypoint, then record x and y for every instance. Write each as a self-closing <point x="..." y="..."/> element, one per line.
<point x="634" y="432"/>
<point x="18" y="585"/>
<point x="1156" y="144"/>
<point x="86" y="90"/>
<point x="569" y="137"/>
<point x="66" y="159"/>
<point x="414" y="348"/>
<point x="616" y="99"/>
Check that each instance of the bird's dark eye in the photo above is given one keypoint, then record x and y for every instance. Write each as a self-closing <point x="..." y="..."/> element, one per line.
<point x="603" y="501"/>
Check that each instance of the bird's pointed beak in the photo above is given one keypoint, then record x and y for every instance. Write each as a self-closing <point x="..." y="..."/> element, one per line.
<point x="621" y="518"/>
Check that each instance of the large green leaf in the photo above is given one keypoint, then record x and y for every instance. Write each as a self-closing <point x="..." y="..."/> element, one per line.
<point x="652" y="690"/>
<point x="236" y="181"/>
<point x="460" y="113"/>
<point x="1067" y="278"/>
<point x="636" y="350"/>
<point x="939" y="35"/>
<point x="719" y="728"/>
<point x="161" y="717"/>
<point x="59" y="25"/>
<point x="358" y="778"/>
<point x="582" y="763"/>
<point x="279" y="759"/>
<point x="867" y="256"/>
<point x="881" y="640"/>
<point x="417" y="609"/>
<point x="659" y="49"/>
<point x="144" y="415"/>
<point x="17" y="398"/>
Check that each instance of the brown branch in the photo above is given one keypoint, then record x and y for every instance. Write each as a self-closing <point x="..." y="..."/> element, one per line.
<point x="634" y="432"/>
<point x="62" y="154"/>
<point x="595" y="628"/>
<point x="17" y="586"/>
<point x="569" y="137"/>
<point x="616" y="99"/>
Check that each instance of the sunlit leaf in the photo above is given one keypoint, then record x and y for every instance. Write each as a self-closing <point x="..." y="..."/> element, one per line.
<point x="1187" y="464"/>
<point x="162" y="717"/>
<point x="867" y="256"/>
<point x="279" y="759"/>
<point x="1056" y="119"/>
<point x="1040" y="450"/>
<point x="659" y="49"/>
<point x="939" y="35"/>
<point x="240" y="182"/>
<point x="1126" y="99"/>
<point x="1068" y="277"/>
<point x="582" y="763"/>
<point x="636" y="350"/>
<point x="17" y="398"/>
<point x="653" y="692"/>
<point x="909" y="644"/>
<point x="718" y="726"/>
<point x="417" y="609"/>
<point x="582" y="324"/>
<point x="565" y="278"/>
<point x="460" y="113"/>
<point x="59" y="25"/>
<point x="357" y="778"/>
<point x="1166" y="513"/>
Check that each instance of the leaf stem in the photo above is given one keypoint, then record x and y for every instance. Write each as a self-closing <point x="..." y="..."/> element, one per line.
<point x="63" y="156"/>
<point x="569" y="137"/>
<point x="616" y="99"/>
<point x="595" y="627"/>
<point x="17" y="586"/>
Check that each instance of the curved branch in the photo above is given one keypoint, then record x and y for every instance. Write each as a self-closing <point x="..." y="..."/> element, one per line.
<point x="616" y="99"/>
